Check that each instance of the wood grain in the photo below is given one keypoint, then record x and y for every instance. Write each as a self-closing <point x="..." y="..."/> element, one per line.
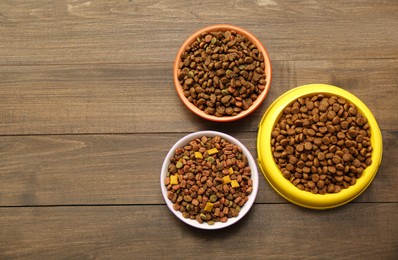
<point x="141" y="97"/>
<point x="75" y="32"/>
<point x="271" y="231"/>
<point x="88" y="112"/>
<point x="120" y="169"/>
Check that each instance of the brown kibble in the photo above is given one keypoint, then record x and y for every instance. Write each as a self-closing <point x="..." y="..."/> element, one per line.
<point x="286" y="174"/>
<point x="330" y="188"/>
<point x="315" y="177"/>
<point x="347" y="157"/>
<point x="293" y="160"/>
<point x="289" y="167"/>
<point x="340" y="135"/>
<point x="326" y="140"/>
<point x="311" y="132"/>
<point x="291" y="131"/>
<point x="368" y="161"/>
<point x="320" y="184"/>
<point x="311" y="184"/>
<point x="323" y="129"/>
<point x="318" y="141"/>
<point x="337" y="188"/>
<point x="323" y="106"/>
<point x="340" y="167"/>
<point x="308" y="146"/>
<point x="233" y="60"/>
<point x="332" y="169"/>
<point x="356" y="163"/>
<point x="325" y="144"/>
<point x="344" y="125"/>
<point x="289" y="149"/>
<point x="323" y="118"/>
<point x="300" y="147"/>
<point x="352" y="111"/>
<point x="296" y="182"/>
<point x="336" y="159"/>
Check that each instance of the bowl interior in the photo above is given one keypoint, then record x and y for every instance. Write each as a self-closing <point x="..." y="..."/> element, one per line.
<point x="184" y="141"/>
<point x="283" y="186"/>
<point x="256" y="103"/>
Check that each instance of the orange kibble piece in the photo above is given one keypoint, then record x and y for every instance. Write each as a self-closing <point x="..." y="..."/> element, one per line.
<point x="234" y="184"/>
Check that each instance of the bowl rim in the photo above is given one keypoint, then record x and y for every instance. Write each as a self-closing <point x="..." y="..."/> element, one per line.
<point x="283" y="186"/>
<point x="260" y="47"/>
<point x="254" y="176"/>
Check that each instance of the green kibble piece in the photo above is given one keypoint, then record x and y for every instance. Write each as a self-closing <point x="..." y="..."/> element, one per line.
<point x="203" y="216"/>
<point x="198" y="39"/>
<point x="210" y="222"/>
<point x="213" y="198"/>
<point x="186" y="157"/>
<point x="224" y="92"/>
<point x="213" y="40"/>
<point x="241" y="67"/>
<point x="230" y="204"/>
<point x="210" y="159"/>
<point x="237" y="208"/>
<point x="179" y="165"/>
<point x="188" y="207"/>
<point x="191" y="74"/>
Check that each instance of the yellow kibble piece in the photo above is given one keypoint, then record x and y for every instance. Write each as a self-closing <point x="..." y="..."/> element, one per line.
<point x="226" y="179"/>
<point x="212" y="151"/>
<point x="234" y="184"/>
<point x="198" y="155"/>
<point x="209" y="207"/>
<point x="231" y="170"/>
<point x="174" y="179"/>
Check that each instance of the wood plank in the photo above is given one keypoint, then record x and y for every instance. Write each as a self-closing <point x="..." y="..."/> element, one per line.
<point x="76" y="32"/>
<point x="124" y="169"/>
<point x="128" y="98"/>
<point x="274" y="231"/>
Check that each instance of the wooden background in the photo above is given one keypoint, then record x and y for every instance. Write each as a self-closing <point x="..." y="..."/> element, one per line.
<point x="88" y="111"/>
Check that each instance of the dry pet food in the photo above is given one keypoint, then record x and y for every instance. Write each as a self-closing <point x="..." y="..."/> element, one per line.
<point x="322" y="144"/>
<point x="222" y="73"/>
<point x="209" y="180"/>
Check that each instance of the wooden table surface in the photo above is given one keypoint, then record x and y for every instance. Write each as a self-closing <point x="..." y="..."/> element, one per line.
<point x="88" y="111"/>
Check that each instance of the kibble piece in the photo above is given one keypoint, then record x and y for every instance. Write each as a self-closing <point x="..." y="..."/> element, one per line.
<point x="308" y="146"/>
<point x="300" y="147"/>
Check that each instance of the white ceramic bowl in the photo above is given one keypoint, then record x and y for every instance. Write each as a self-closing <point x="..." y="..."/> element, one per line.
<point x="254" y="176"/>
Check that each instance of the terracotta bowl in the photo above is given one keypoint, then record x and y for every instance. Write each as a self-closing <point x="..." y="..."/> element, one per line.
<point x="243" y="113"/>
<point x="272" y="172"/>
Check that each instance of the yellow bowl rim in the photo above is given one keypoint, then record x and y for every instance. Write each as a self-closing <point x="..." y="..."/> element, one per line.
<point x="283" y="186"/>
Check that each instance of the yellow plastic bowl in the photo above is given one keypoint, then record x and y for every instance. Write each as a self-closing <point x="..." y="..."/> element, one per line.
<point x="272" y="172"/>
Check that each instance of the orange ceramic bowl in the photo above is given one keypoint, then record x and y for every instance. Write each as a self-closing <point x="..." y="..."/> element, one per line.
<point x="201" y="113"/>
